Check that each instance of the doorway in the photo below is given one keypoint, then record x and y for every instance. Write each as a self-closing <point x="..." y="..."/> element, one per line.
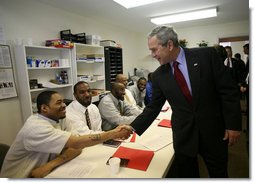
<point x="236" y="44"/>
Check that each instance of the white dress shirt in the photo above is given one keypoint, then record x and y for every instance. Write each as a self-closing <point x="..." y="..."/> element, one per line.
<point x="128" y="98"/>
<point x="36" y="142"/>
<point x="75" y="113"/>
<point x="110" y="113"/>
<point x="226" y="62"/>
<point x="138" y="95"/>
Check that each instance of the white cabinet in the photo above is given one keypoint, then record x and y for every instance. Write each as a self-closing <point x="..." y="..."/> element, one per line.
<point x="36" y="67"/>
<point x="89" y="65"/>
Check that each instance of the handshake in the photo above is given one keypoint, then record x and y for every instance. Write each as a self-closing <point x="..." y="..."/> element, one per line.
<point x="122" y="132"/>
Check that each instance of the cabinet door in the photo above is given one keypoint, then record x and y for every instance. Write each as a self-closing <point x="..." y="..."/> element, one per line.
<point x="39" y="68"/>
<point x="89" y="66"/>
<point x="114" y="64"/>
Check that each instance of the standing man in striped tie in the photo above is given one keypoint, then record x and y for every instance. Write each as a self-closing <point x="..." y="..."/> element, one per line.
<point x="205" y="103"/>
<point x="84" y="116"/>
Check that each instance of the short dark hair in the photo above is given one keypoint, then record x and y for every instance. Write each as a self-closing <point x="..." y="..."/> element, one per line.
<point x="246" y="46"/>
<point x="142" y="78"/>
<point x="44" y="98"/>
<point x="228" y="47"/>
<point x="238" y="55"/>
<point x="150" y="76"/>
<point x="76" y="85"/>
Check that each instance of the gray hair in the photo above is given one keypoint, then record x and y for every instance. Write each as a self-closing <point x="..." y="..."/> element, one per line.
<point x="164" y="34"/>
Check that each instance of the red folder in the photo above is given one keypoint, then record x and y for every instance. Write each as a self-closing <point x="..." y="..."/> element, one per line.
<point x="138" y="159"/>
<point x="165" y="123"/>
<point x="133" y="138"/>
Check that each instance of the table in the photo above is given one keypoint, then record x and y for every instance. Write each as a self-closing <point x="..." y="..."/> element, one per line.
<point x="91" y="163"/>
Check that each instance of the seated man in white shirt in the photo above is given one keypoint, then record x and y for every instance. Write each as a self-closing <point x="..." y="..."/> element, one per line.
<point x="128" y="98"/>
<point x="78" y="110"/>
<point x="35" y="151"/>
<point x="138" y="91"/>
<point x="114" y="110"/>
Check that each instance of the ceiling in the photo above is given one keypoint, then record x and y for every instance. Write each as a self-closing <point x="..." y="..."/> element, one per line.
<point x="138" y="19"/>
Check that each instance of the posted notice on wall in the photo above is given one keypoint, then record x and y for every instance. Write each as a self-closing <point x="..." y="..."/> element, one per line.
<point x="7" y="84"/>
<point x="5" y="56"/>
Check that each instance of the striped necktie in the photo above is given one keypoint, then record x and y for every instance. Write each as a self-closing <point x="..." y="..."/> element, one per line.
<point x="88" y="119"/>
<point x="120" y="107"/>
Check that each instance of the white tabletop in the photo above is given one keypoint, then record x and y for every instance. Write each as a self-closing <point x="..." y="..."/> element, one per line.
<point x="91" y="163"/>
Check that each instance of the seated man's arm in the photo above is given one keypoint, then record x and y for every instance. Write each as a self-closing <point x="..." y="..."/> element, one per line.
<point x="66" y="155"/>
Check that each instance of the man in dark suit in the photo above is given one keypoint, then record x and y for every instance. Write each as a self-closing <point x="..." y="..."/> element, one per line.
<point x="245" y="89"/>
<point x="235" y="67"/>
<point x="204" y="123"/>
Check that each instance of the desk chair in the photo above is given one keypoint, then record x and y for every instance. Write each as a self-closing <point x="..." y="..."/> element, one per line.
<point x="3" y="151"/>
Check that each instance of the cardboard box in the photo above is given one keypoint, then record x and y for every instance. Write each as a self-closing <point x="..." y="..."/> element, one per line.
<point x="93" y="39"/>
<point x="108" y="43"/>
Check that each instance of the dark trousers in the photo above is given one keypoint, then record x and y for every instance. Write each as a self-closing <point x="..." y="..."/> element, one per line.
<point x="215" y="157"/>
<point x="187" y="167"/>
<point x="183" y="167"/>
<point x="247" y="120"/>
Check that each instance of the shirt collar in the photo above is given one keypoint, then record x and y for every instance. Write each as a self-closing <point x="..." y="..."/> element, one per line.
<point x="180" y="58"/>
<point x="79" y="106"/>
<point x="48" y="119"/>
<point x="115" y="100"/>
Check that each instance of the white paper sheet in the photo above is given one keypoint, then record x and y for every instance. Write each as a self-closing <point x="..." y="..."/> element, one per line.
<point x="156" y="142"/>
<point x="77" y="170"/>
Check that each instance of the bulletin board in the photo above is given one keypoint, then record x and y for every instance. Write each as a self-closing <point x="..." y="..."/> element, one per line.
<point x="7" y="83"/>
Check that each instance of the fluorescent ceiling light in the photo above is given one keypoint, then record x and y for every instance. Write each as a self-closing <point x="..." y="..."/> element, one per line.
<point x="181" y="17"/>
<point x="134" y="3"/>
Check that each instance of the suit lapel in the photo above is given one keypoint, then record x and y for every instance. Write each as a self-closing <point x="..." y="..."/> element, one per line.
<point x="170" y="88"/>
<point x="193" y="64"/>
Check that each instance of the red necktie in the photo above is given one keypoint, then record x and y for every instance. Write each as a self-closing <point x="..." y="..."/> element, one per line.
<point x="88" y="119"/>
<point x="181" y="82"/>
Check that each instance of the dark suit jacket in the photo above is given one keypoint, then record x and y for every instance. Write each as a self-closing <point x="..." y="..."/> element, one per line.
<point x="237" y="71"/>
<point x="216" y="103"/>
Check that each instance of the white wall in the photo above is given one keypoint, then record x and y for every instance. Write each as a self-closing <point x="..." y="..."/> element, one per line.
<point x="194" y="35"/>
<point x="29" y="19"/>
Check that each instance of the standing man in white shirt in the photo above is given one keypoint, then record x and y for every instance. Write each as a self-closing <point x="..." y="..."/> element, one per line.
<point x="84" y="116"/>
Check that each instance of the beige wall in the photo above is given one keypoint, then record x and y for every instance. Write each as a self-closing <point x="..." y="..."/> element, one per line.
<point x="194" y="35"/>
<point x="30" y="19"/>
